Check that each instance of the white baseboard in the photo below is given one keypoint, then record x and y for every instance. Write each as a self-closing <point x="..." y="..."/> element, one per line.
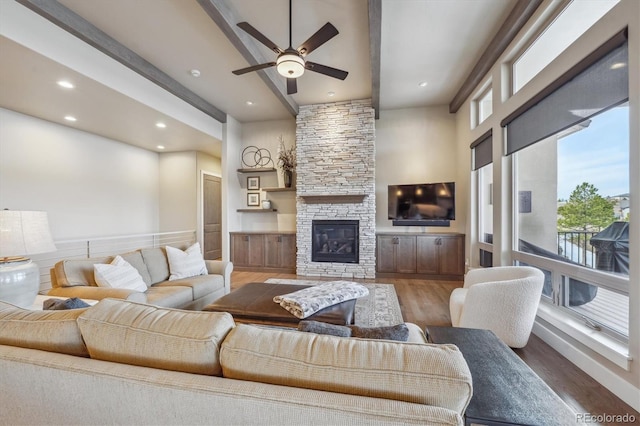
<point x="607" y="378"/>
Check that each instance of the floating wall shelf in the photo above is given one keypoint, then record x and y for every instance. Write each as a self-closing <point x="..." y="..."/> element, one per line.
<point x="278" y="189"/>
<point x="257" y="170"/>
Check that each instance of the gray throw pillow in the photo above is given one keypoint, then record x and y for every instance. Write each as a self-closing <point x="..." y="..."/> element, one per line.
<point x="398" y="332"/>
<point x="59" y="304"/>
<point x="324" y="328"/>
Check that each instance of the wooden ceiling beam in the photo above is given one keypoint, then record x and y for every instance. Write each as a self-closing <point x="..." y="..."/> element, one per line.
<point x="89" y="33"/>
<point x="226" y="18"/>
<point x="375" y="39"/>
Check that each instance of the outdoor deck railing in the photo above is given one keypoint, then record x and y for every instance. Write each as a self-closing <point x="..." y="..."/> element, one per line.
<point x="576" y="246"/>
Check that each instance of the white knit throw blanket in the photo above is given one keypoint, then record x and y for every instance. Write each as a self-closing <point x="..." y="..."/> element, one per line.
<point x="308" y="301"/>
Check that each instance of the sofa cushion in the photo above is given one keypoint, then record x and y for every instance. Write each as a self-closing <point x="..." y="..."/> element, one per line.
<point x="200" y="285"/>
<point x="169" y="296"/>
<point x="157" y="264"/>
<point x="52" y="331"/>
<point x="135" y="259"/>
<point x="149" y="336"/>
<point x="74" y="272"/>
<point x="118" y="274"/>
<point x="185" y="264"/>
<point x="419" y="373"/>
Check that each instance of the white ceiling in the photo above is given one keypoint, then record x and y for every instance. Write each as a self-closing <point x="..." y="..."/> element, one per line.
<point x="437" y="41"/>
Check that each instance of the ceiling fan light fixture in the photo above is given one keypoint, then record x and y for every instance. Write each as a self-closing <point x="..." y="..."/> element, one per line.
<point x="290" y="65"/>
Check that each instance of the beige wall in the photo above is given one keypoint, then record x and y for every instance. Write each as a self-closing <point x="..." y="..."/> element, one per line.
<point x="90" y="186"/>
<point x="417" y="145"/>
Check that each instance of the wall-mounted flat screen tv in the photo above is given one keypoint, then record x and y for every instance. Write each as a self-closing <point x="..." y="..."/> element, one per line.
<point x="422" y="203"/>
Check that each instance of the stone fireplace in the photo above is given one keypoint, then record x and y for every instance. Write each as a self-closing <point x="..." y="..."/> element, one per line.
<point x="335" y="146"/>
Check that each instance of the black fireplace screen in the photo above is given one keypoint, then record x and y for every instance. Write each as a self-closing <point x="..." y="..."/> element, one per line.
<point x="335" y="241"/>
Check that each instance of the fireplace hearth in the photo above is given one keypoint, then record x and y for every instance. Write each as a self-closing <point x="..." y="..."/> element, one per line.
<point x="335" y="241"/>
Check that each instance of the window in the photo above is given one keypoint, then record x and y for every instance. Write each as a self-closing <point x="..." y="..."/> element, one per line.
<point x="571" y="187"/>
<point x="572" y="209"/>
<point x="485" y="214"/>
<point x="482" y="152"/>
<point x="484" y="105"/>
<point x="576" y="18"/>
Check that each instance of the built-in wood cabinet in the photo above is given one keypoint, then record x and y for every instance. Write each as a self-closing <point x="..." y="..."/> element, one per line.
<point x="263" y="251"/>
<point x="437" y="255"/>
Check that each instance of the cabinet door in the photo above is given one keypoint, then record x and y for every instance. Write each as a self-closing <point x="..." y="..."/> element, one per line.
<point x="385" y="253"/>
<point x="247" y="250"/>
<point x="452" y="255"/>
<point x="272" y="250"/>
<point x="288" y="251"/>
<point x="427" y="254"/>
<point x="280" y="251"/>
<point x="240" y="249"/>
<point x="405" y="254"/>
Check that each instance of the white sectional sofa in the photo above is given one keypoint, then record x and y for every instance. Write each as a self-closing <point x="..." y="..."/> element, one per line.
<point x="122" y="362"/>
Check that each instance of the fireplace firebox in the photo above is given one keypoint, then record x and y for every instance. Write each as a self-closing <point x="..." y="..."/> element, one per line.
<point x="335" y="241"/>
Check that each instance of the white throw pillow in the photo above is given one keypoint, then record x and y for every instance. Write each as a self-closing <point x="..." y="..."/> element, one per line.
<point x="118" y="274"/>
<point x="185" y="264"/>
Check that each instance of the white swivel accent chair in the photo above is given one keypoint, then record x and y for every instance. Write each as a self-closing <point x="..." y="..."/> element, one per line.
<point x="502" y="299"/>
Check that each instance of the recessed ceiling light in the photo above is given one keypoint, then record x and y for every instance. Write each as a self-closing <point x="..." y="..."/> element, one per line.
<point x="65" y="84"/>
<point x="70" y="118"/>
<point x="160" y="147"/>
<point x="618" y="65"/>
<point x="160" y="125"/>
<point x="249" y="103"/>
<point x="423" y="84"/>
<point x="331" y="94"/>
<point x="195" y="73"/>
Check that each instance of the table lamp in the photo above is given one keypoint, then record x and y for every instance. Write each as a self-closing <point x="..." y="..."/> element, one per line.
<point x="22" y="233"/>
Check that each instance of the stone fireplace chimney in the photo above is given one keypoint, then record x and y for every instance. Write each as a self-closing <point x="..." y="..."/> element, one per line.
<point x="336" y="181"/>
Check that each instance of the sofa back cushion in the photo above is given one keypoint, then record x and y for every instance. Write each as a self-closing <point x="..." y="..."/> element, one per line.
<point x="135" y="259"/>
<point x="74" y="272"/>
<point x="52" y="331"/>
<point x="418" y="373"/>
<point x="170" y="339"/>
<point x="157" y="264"/>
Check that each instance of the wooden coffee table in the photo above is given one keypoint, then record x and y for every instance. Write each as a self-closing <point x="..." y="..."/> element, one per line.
<point x="253" y="303"/>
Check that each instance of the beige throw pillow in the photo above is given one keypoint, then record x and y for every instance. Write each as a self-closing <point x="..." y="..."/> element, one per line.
<point x="170" y="339"/>
<point x="185" y="264"/>
<point x="118" y="274"/>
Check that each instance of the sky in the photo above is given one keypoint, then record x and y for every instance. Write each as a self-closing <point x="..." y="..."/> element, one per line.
<point x="598" y="155"/>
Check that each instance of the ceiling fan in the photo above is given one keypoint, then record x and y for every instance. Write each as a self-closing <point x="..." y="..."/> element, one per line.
<point x="291" y="62"/>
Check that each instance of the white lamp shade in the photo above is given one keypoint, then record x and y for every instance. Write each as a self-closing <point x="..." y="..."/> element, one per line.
<point x="290" y="65"/>
<point x="24" y="233"/>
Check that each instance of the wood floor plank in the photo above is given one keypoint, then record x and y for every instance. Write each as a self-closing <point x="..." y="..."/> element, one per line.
<point x="426" y="302"/>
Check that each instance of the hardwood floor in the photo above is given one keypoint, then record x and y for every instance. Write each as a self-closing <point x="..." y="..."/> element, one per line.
<point x="426" y="302"/>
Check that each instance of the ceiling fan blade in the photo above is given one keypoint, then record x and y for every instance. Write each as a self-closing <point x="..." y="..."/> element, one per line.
<point x="323" y="35"/>
<point x="254" y="68"/>
<point x="323" y="69"/>
<point x="292" y="86"/>
<point x="259" y="36"/>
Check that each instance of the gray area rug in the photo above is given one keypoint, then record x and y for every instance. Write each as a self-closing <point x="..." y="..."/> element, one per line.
<point x="380" y="308"/>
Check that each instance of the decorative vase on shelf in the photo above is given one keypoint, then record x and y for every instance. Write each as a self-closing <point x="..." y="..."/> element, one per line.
<point x="266" y="204"/>
<point x="288" y="178"/>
